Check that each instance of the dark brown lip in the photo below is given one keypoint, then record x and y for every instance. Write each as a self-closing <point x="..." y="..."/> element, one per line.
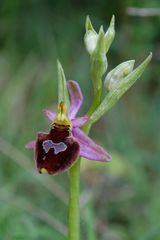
<point x="52" y="162"/>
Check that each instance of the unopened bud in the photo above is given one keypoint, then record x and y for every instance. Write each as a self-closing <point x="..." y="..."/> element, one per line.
<point x="117" y="74"/>
<point x="90" y="40"/>
<point x="97" y="45"/>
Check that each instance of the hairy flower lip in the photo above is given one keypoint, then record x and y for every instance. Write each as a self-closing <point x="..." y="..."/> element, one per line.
<point x="88" y="148"/>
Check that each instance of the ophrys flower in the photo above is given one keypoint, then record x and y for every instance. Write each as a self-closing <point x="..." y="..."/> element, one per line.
<point x="58" y="150"/>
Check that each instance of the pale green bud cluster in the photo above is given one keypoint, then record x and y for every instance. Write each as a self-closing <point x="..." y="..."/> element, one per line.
<point x="97" y="45"/>
<point x="100" y="40"/>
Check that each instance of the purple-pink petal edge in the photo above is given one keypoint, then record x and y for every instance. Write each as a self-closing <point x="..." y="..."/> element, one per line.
<point x="31" y="145"/>
<point x="89" y="149"/>
<point x="50" y="115"/>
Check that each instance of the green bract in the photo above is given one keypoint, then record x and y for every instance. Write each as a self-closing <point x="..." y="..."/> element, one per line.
<point x="109" y="35"/>
<point x="98" y="62"/>
<point x="62" y="86"/>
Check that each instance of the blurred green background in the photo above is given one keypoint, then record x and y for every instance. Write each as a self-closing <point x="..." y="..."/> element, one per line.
<point x="119" y="200"/>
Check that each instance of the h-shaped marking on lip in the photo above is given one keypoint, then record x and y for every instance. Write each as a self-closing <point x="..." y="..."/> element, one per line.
<point x="58" y="147"/>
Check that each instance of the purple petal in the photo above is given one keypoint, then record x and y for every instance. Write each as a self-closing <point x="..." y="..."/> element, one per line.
<point x="76" y="98"/>
<point x="30" y="145"/>
<point x="89" y="149"/>
<point x="80" y="121"/>
<point x="50" y="115"/>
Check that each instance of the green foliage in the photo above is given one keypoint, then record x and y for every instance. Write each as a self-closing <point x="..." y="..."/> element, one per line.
<point x="124" y="195"/>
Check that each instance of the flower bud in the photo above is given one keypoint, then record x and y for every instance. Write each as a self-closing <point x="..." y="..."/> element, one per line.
<point x="97" y="45"/>
<point x="91" y="37"/>
<point x="117" y="74"/>
<point x="90" y="40"/>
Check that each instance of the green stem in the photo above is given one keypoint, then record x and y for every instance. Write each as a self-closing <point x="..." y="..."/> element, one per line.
<point x="96" y="102"/>
<point x="74" y="192"/>
<point x="74" y="215"/>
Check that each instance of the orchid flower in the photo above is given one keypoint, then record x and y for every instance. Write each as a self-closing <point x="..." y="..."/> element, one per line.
<point x="59" y="149"/>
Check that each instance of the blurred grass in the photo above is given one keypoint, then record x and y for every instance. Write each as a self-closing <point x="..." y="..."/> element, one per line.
<point x="120" y="200"/>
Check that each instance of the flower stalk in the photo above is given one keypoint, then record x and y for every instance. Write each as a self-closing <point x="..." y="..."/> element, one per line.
<point x="74" y="210"/>
<point x="74" y="197"/>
